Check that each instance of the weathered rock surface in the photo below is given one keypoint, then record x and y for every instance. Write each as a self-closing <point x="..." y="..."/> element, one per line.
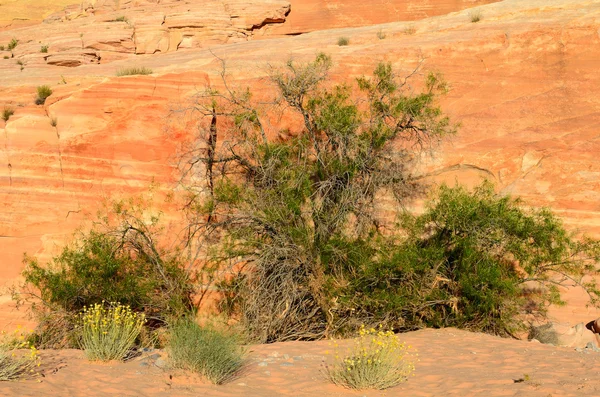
<point x="524" y="87"/>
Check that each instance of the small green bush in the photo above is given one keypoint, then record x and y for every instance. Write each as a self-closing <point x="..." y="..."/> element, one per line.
<point x="205" y="350"/>
<point x="43" y="92"/>
<point x="12" y="44"/>
<point x="7" y="113"/>
<point x="109" y="333"/>
<point x="376" y="361"/>
<point x="475" y="16"/>
<point x="134" y="71"/>
<point x="44" y="49"/>
<point x="342" y="41"/>
<point x="121" y="18"/>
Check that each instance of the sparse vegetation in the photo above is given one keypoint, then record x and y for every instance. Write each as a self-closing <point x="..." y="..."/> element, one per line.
<point x="134" y="71"/>
<point x="7" y="113"/>
<point x="377" y="360"/>
<point x="109" y="333"/>
<point x="342" y="41"/>
<point x="409" y="30"/>
<point x="6" y="57"/>
<point x="121" y="18"/>
<point x="43" y="92"/>
<point x="44" y="49"/>
<point x="207" y="351"/>
<point x="12" y="44"/>
<point x="1" y="47"/>
<point x="381" y="35"/>
<point x="475" y="16"/>
<point x="53" y="121"/>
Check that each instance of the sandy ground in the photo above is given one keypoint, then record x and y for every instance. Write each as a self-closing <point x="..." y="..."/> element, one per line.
<point x="451" y="363"/>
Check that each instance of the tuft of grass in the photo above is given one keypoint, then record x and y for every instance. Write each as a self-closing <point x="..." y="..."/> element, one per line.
<point x="475" y="16"/>
<point x="381" y="35"/>
<point x="343" y="41"/>
<point x="207" y="351"/>
<point x="1" y="47"/>
<point x="409" y="30"/>
<point x="12" y="44"/>
<point x="6" y="57"/>
<point x="377" y="360"/>
<point x="43" y="92"/>
<point x="20" y="62"/>
<point x="6" y="113"/>
<point x="53" y="121"/>
<point x="14" y="363"/>
<point x="44" y="49"/>
<point x="133" y="71"/>
<point x="109" y="333"/>
<point x="121" y="18"/>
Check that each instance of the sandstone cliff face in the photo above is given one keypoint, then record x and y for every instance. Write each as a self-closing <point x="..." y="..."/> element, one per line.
<point x="524" y="87"/>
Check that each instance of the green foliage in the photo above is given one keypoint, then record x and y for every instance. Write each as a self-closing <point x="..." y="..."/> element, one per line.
<point x="7" y="113"/>
<point x="207" y="351"/>
<point x="134" y="71"/>
<point x="44" y="49"/>
<point x="12" y="44"/>
<point x="115" y="262"/>
<point x="342" y="41"/>
<point x="121" y="18"/>
<point x="377" y="360"/>
<point x="295" y="213"/>
<point x="473" y="260"/>
<point x="43" y="92"/>
<point x="109" y="333"/>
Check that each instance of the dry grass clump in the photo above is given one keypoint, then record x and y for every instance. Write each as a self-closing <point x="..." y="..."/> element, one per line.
<point x="16" y="363"/>
<point x="43" y="92"/>
<point x="6" y="113"/>
<point x="342" y="41"/>
<point x="133" y="71"/>
<point x="377" y="360"/>
<point x="214" y="354"/>
<point x="475" y="16"/>
<point x="109" y="333"/>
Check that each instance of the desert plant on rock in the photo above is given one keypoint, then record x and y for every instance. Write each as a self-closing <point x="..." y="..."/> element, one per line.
<point x="12" y="44"/>
<point x="7" y="113"/>
<point x="475" y="16"/>
<point x="376" y="360"/>
<point x="134" y="71"/>
<point x="343" y="41"/>
<point x="109" y="332"/>
<point x="44" y="49"/>
<point x="43" y="92"/>
<point x="207" y="351"/>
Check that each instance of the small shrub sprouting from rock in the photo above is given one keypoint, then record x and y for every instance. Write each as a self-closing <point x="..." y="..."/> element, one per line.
<point x="7" y="113"/>
<point x="207" y="351"/>
<point x="1" y="47"/>
<point x="44" y="49"/>
<point x="377" y="360"/>
<point x="475" y="16"/>
<point x="12" y="44"/>
<point x="121" y="18"/>
<point x="53" y="121"/>
<point x="109" y="332"/>
<point x="342" y="41"/>
<point x="134" y="71"/>
<point x="381" y="35"/>
<point x="43" y="92"/>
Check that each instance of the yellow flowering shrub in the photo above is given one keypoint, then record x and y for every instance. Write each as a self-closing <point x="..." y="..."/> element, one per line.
<point x="376" y="360"/>
<point x="18" y="357"/>
<point x="109" y="332"/>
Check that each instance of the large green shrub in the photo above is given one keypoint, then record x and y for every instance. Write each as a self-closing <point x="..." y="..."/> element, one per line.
<point x="473" y="260"/>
